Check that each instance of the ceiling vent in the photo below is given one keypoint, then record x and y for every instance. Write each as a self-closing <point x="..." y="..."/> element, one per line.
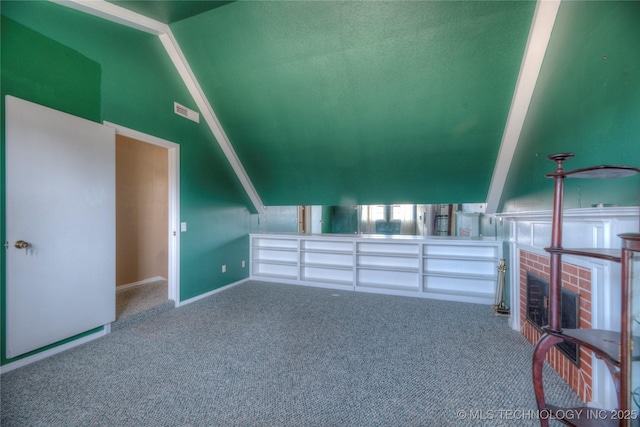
<point x="185" y="112"/>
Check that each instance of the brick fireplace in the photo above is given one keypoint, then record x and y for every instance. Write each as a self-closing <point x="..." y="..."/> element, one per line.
<point x="596" y="281"/>
<point x="575" y="279"/>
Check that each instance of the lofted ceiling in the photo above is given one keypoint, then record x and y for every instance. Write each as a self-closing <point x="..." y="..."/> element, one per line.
<point x="345" y="102"/>
<point x="169" y="11"/>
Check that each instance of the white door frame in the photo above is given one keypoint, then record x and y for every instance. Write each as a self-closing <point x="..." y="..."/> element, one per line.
<point x="173" y="233"/>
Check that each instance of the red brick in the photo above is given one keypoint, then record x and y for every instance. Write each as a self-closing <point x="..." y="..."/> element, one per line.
<point x="585" y="285"/>
<point x="572" y="280"/>
<point x="575" y="279"/>
<point x="586" y="300"/>
<point x="585" y="274"/>
<point x="585" y="291"/>
<point x="571" y="287"/>
<point x="539" y="267"/>
<point x="570" y="269"/>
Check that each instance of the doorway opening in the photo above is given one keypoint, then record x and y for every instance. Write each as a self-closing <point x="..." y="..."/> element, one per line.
<point x="146" y="225"/>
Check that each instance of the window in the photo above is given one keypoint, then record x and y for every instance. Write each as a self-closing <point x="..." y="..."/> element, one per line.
<point x="402" y="212"/>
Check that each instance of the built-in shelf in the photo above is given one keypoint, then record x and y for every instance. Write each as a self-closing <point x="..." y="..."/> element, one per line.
<point x="276" y="248"/>
<point x="276" y="262"/>
<point x="328" y="266"/>
<point x="469" y="276"/>
<point x="276" y="276"/>
<point x="454" y="269"/>
<point x="481" y="295"/>
<point x="327" y="251"/>
<point x="385" y="286"/>
<point x="461" y="258"/>
<point x="389" y="254"/>
<point x="326" y="263"/>
<point x="388" y="268"/>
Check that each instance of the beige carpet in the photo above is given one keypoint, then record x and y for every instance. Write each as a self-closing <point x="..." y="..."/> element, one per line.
<point x="134" y="300"/>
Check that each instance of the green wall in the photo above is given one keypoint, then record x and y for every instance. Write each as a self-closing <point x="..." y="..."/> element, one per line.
<point x="586" y="101"/>
<point x="99" y="70"/>
<point x="46" y="72"/>
<point x="70" y="82"/>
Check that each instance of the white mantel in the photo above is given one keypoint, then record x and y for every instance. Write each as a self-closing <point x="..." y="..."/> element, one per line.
<point x="582" y="228"/>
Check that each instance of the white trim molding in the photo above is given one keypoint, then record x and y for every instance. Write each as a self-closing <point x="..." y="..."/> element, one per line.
<point x="120" y="15"/>
<point x="55" y="350"/>
<point x="213" y="292"/>
<point x="173" y="232"/>
<point x="184" y="69"/>
<point x="139" y="283"/>
<point x="111" y="12"/>
<point x="539" y="35"/>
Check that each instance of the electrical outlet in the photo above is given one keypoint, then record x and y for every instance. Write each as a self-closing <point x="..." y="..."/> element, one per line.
<point x="244" y="263"/>
<point x="224" y="268"/>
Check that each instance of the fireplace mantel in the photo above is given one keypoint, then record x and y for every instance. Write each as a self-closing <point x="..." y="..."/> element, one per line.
<point x="530" y="232"/>
<point x="583" y="228"/>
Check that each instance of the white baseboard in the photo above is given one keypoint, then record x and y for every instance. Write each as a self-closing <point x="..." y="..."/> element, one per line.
<point x="106" y="329"/>
<point x="59" y="349"/>
<point x="208" y="294"/>
<point x="140" y="282"/>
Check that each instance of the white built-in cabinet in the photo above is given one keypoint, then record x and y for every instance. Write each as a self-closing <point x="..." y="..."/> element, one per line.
<point x="388" y="265"/>
<point x="442" y="268"/>
<point x="324" y="261"/>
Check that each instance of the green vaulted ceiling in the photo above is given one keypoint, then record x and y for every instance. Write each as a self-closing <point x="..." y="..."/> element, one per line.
<point x="362" y="102"/>
<point x="343" y="102"/>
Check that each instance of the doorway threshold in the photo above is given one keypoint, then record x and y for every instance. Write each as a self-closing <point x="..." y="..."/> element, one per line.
<point x="135" y="304"/>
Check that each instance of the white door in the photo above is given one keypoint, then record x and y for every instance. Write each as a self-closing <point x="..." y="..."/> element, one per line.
<point x="60" y="200"/>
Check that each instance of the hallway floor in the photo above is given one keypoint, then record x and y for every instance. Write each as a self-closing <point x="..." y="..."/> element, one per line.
<point x="139" y="302"/>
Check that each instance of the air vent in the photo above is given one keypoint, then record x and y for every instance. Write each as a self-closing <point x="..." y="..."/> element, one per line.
<point x="185" y="112"/>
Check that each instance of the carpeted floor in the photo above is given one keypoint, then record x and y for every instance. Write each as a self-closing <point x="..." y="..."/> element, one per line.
<point x="278" y="355"/>
<point x="136" y="299"/>
<point x="137" y="303"/>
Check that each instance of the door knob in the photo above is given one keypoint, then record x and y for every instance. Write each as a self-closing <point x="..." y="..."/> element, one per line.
<point x="21" y="244"/>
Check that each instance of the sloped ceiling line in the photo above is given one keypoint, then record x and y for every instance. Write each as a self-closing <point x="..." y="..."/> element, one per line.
<point x="120" y="15"/>
<point x="117" y="14"/>
<point x="539" y="35"/>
